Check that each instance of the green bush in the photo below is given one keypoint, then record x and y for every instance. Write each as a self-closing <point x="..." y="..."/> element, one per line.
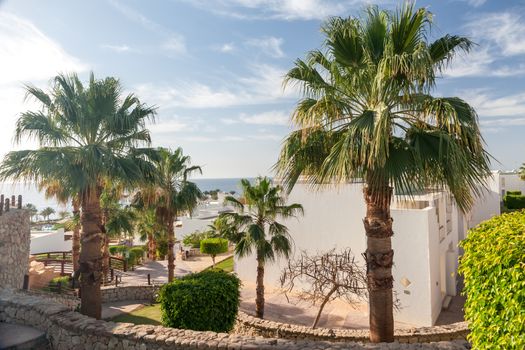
<point x="194" y="239"/>
<point x="514" y="200"/>
<point x="214" y="246"/>
<point x="205" y="301"/>
<point x="162" y="248"/>
<point x="138" y="253"/>
<point x="494" y="270"/>
<point x="513" y="193"/>
<point x="118" y="249"/>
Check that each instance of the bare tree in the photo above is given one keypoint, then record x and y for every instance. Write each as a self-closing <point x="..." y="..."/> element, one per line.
<point x="325" y="277"/>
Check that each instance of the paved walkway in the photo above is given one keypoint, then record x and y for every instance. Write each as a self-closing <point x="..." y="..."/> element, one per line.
<point x="158" y="270"/>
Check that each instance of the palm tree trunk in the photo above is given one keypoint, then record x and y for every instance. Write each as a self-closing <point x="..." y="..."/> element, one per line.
<point x="76" y="236"/>
<point x="105" y="244"/>
<point x="152" y="253"/>
<point x="379" y="256"/>
<point x="259" y="289"/>
<point x="90" y="255"/>
<point x="171" y="256"/>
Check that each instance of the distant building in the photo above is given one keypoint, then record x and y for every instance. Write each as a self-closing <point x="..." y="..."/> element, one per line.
<point x="427" y="229"/>
<point x="50" y="241"/>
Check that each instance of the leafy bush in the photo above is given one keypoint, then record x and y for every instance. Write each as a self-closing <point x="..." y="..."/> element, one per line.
<point x="162" y="248"/>
<point x="514" y="200"/>
<point x="205" y="301"/>
<point x="493" y="266"/>
<point x="513" y="193"/>
<point x="194" y="239"/>
<point x="138" y="254"/>
<point x="118" y="249"/>
<point x="214" y="246"/>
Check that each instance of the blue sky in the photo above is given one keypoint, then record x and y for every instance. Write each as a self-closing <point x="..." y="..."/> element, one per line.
<point x="214" y="68"/>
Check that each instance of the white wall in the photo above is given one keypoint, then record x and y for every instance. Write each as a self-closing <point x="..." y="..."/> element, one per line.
<point x="333" y="219"/>
<point x="49" y="241"/>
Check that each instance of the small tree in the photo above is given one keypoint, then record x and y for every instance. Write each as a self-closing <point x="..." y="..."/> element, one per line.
<point x="214" y="246"/>
<point x="47" y="212"/>
<point x="326" y="277"/>
<point x="33" y="211"/>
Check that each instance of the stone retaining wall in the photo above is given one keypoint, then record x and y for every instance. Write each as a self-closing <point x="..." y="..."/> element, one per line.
<point x="249" y="325"/>
<point x="67" y="329"/>
<point x="145" y="292"/>
<point x="14" y="247"/>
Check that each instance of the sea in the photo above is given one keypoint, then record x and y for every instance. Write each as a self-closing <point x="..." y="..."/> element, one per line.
<point x="30" y="193"/>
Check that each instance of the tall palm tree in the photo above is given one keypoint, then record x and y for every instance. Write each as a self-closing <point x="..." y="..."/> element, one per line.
<point x="170" y="194"/>
<point x="254" y="227"/>
<point x="86" y="134"/>
<point x="149" y="230"/>
<point x="368" y="115"/>
<point x="54" y="189"/>
<point x="33" y="211"/>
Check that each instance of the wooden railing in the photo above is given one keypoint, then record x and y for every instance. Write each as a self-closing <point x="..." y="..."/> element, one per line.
<point x="118" y="263"/>
<point x="63" y="262"/>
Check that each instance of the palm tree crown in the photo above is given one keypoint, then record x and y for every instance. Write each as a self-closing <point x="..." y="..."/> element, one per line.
<point x="367" y="112"/>
<point x="255" y="227"/>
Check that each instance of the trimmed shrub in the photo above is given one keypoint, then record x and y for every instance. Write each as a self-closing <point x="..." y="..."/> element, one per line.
<point x="138" y="253"/>
<point x="162" y="249"/>
<point x="118" y="249"/>
<point x="214" y="246"/>
<point x="513" y="193"/>
<point x="514" y="201"/>
<point x="204" y="301"/>
<point x="494" y="269"/>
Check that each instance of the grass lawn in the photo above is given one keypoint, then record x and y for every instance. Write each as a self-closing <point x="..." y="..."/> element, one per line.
<point x="147" y="315"/>
<point x="226" y="265"/>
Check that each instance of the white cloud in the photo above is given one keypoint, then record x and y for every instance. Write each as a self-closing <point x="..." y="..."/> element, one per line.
<point x="175" y="43"/>
<point x="270" y="45"/>
<point x="266" y="118"/>
<point x="488" y="105"/>
<point x="172" y="41"/>
<point x="504" y="31"/>
<point x="262" y="86"/>
<point x="475" y="3"/>
<point x="279" y="9"/>
<point x="117" y="48"/>
<point x="28" y="54"/>
<point x="228" y="47"/>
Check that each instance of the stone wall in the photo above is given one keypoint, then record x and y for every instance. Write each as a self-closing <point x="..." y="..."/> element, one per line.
<point x="15" y="232"/>
<point x="249" y="325"/>
<point x="145" y="292"/>
<point x="71" y="330"/>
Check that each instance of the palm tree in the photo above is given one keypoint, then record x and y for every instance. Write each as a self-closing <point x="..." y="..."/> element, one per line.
<point x="367" y="115"/>
<point x="86" y="134"/>
<point x="254" y="227"/>
<point x="170" y="194"/>
<point x="149" y="230"/>
<point x="33" y="211"/>
<point x="47" y="212"/>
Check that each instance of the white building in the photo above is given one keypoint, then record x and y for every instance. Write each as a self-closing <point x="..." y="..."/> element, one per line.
<point x="426" y="234"/>
<point x="50" y="241"/>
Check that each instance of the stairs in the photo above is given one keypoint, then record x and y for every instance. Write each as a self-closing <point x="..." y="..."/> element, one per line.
<point x="19" y="337"/>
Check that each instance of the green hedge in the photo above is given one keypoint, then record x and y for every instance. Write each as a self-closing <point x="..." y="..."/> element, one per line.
<point x="513" y="193"/>
<point x="494" y="269"/>
<point x="138" y="254"/>
<point x="118" y="249"/>
<point x="214" y="246"/>
<point x="162" y="248"/>
<point x="514" y="200"/>
<point x="205" y="301"/>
